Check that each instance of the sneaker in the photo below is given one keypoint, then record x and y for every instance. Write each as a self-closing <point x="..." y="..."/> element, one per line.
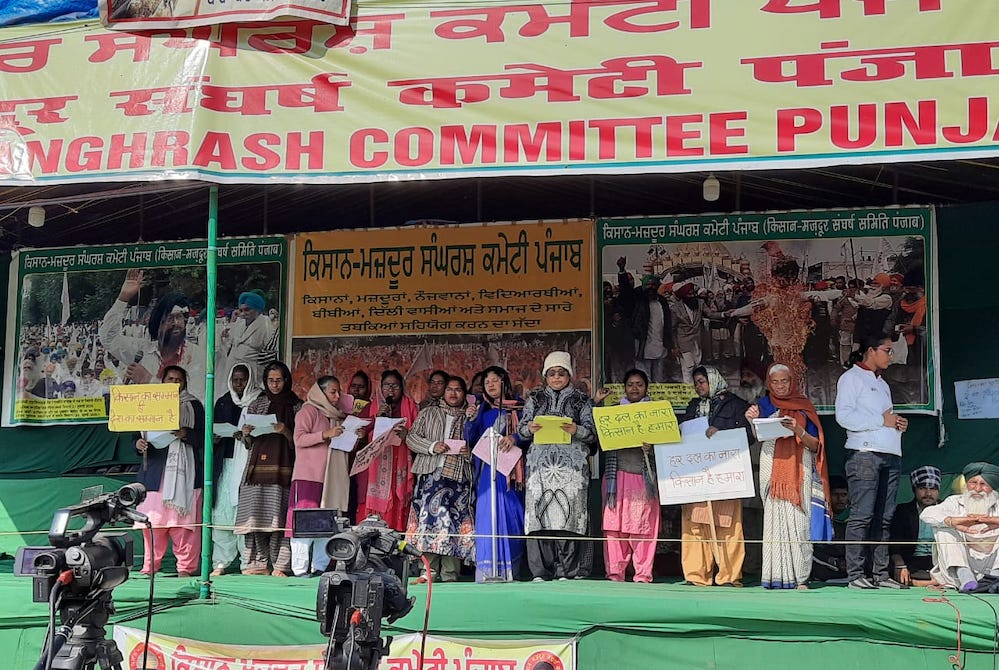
<point x="889" y="583"/>
<point x="861" y="583"/>
<point x="538" y="579"/>
<point x="563" y="579"/>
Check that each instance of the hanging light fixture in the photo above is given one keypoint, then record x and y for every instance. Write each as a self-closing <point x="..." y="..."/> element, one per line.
<point x="712" y="188"/>
<point x="36" y="217"/>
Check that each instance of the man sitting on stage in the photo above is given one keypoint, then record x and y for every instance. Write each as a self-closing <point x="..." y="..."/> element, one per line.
<point x="913" y="560"/>
<point x="965" y="529"/>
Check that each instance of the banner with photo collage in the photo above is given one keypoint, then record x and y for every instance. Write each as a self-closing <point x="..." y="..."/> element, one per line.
<point x="739" y="291"/>
<point x="91" y="317"/>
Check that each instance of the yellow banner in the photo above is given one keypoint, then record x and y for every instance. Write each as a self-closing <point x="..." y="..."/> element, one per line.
<point x="677" y="394"/>
<point x="144" y="407"/>
<point x="454" y="89"/>
<point x="444" y="280"/>
<point x="623" y="426"/>
<point x="166" y="651"/>
<point x="56" y="410"/>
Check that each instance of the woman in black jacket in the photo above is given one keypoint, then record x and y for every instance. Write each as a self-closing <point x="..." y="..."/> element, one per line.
<point x="701" y="556"/>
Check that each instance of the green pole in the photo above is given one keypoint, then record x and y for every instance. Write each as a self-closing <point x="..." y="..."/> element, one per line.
<point x="209" y="490"/>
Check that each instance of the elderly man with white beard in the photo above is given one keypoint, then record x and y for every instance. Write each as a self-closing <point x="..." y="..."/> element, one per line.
<point x="965" y="530"/>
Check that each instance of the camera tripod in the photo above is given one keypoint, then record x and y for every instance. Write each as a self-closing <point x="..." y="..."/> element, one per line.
<point x="86" y="646"/>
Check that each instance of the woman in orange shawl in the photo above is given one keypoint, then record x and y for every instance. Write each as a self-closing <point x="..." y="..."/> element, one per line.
<point x="788" y="484"/>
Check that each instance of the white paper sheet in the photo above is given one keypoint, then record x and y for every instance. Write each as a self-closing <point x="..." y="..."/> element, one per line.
<point x="262" y="423"/>
<point x="770" y="428"/>
<point x="347" y="440"/>
<point x="160" y="439"/>
<point x="224" y="429"/>
<point x="697" y="426"/>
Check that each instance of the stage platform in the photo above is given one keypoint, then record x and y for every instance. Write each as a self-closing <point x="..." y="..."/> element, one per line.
<point x="618" y="626"/>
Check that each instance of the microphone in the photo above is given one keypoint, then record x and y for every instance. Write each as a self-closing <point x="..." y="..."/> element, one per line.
<point x="137" y="360"/>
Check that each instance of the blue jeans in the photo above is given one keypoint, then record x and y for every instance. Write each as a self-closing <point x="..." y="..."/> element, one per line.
<point x="873" y="481"/>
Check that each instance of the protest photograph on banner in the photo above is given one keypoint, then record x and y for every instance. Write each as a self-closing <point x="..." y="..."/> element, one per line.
<point x="89" y="318"/>
<point x="454" y="298"/>
<point x="740" y="291"/>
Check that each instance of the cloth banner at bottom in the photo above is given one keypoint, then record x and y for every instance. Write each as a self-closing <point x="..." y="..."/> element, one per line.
<point x="442" y="653"/>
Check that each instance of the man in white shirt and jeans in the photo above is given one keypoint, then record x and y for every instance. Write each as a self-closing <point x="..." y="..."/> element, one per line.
<point x="873" y="462"/>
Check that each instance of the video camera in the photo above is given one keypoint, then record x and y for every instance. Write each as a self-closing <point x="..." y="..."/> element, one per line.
<point x="99" y="561"/>
<point x="367" y="582"/>
<point x="76" y="576"/>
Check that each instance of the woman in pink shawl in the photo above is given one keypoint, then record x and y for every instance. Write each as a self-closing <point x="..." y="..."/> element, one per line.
<point x="386" y="487"/>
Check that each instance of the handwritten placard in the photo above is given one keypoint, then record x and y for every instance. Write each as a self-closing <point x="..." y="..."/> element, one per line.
<point x="623" y="426"/>
<point x="144" y="407"/>
<point x="367" y="454"/>
<point x="704" y="468"/>
<point x="977" y="398"/>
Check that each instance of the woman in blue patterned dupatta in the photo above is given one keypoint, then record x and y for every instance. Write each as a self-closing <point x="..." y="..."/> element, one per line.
<point x="499" y="409"/>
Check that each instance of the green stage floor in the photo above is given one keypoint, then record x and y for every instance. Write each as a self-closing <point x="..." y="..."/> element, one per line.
<point x="618" y="625"/>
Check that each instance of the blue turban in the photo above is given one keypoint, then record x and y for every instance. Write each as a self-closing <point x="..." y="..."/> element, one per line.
<point x="252" y="300"/>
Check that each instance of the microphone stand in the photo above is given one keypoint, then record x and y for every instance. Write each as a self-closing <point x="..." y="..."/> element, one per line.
<point x="494" y="516"/>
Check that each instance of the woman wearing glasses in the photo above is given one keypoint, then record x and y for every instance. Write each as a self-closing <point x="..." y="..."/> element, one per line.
<point x="558" y="473"/>
<point x="386" y="487"/>
<point x="873" y="460"/>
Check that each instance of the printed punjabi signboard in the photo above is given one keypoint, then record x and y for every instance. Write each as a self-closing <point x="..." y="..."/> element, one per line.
<point x="506" y="87"/>
<point x="89" y="318"/>
<point x="167" y="651"/>
<point x="455" y="298"/>
<point x="740" y="291"/>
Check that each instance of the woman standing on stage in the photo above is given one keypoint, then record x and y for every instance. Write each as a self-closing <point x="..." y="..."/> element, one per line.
<point x="386" y="487"/>
<point x="702" y="554"/>
<point x="631" y="500"/>
<point x="787" y="465"/>
<point x="558" y="474"/>
<point x="263" y="496"/>
<point x="499" y="409"/>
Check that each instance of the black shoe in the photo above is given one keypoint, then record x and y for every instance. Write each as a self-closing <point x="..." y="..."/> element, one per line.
<point x="862" y="583"/>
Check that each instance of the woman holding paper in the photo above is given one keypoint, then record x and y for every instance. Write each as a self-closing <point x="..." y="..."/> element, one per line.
<point x="229" y="463"/>
<point x="794" y="480"/>
<point x="558" y="423"/>
<point x="631" y="499"/>
<point x="499" y="412"/>
<point x="386" y="486"/>
<point x="321" y="476"/>
<point x="263" y="496"/>
<point x="440" y="518"/>
<point x="173" y="474"/>
<point x="712" y="532"/>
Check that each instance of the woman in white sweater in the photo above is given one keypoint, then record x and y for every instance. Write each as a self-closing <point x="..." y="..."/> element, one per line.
<point x="873" y="460"/>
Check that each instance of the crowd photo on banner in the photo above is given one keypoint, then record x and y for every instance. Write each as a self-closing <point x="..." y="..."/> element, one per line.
<point x="82" y="330"/>
<point x="498" y="455"/>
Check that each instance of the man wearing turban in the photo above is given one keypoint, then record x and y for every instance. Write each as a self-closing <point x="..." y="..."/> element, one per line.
<point x="252" y="341"/>
<point x="912" y="539"/>
<point x="965" y="530"/>
<point x="144" y="358"/>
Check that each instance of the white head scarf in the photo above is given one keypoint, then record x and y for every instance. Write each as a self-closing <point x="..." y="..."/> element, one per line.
<point x="252" y="390"/>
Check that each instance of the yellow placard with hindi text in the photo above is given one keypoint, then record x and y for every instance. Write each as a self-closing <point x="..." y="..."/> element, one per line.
<point x="624" y="426"/>
<point x="138" y="407"/>
<point x="551" y="430"/>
